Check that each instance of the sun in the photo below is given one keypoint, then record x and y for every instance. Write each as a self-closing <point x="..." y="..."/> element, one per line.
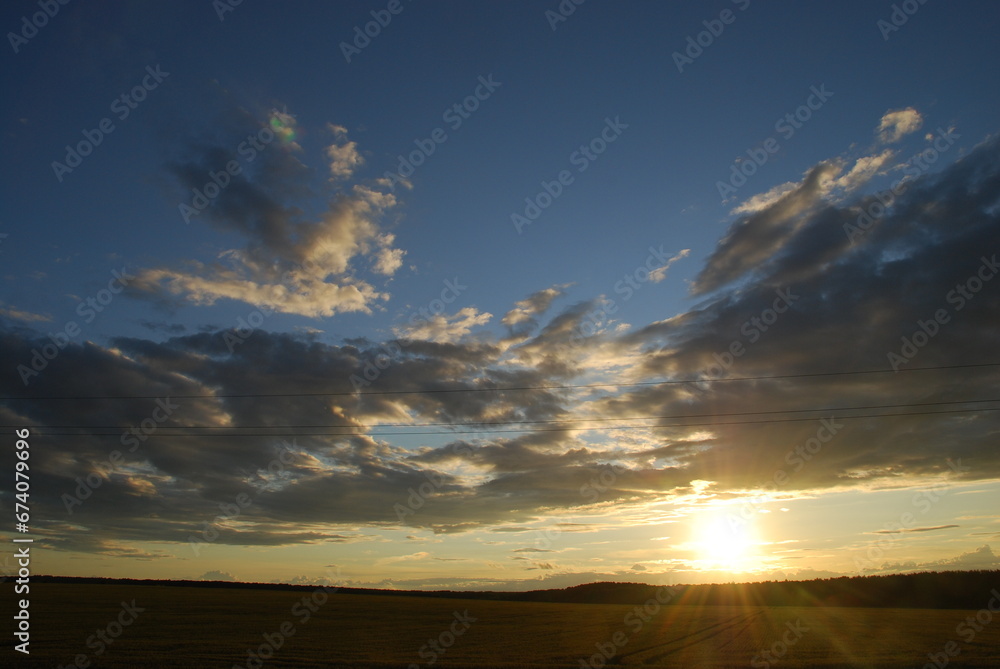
<point x="724" y="542"/>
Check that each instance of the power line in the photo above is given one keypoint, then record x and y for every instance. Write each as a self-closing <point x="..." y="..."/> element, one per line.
<point x="501" y="389"/>
<point x="551" y="429"/>
<point x="361" y="426"/>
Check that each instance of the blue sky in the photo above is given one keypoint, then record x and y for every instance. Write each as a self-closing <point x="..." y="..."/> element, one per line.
<point x="637" y="271"/>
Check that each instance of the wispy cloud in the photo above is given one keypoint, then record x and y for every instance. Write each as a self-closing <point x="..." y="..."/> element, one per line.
<point x="916" y="529"/>
<point x="23" y="315"/>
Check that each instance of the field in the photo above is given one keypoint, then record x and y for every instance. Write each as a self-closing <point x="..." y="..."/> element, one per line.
<point x="208" y="627"/>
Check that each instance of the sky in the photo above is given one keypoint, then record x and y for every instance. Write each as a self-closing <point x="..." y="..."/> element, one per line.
<point x="451" y="295"/>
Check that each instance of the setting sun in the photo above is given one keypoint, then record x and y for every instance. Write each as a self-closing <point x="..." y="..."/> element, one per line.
<point x="657" y="334"/>
<point x="724" y="543"/>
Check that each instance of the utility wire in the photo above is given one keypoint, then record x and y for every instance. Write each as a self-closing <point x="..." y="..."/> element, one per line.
<point x="501" y="389"/>
<point x="553" y="429"/>
<point x="363" y="426"/>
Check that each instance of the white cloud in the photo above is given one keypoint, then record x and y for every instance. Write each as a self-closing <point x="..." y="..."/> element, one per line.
<point x="445" y="328"/>
<point x="864" y="169"/>
<point x="895" y="124"/>
<point x="344" y="157"/>
<point x="306" y="296"/>
<point x="388" y="259"/>
<point x="762" y="201"/>
<point x="660" y="273"/>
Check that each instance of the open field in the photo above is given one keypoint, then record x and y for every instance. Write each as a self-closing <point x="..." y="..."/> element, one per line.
<point x="209" y="627"/>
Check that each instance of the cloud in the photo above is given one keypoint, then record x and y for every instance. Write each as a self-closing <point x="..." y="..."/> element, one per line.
<point x="756" y="237"/>
<point x="388" y="259"/>
<point x="764" y="200"/>
<point x="982" y="558"/>
<point x="444" y="328"/>
<point x="532" y="306"/>
<point x="660" y="273"/>
<point x="916" y="529"/>
<point x="25" y="316"/>
<point x="217" y="576"/>
<point x="896" y="124"/>
<point x="295" y="262"/>
<point x="864" y="169"/>
<point x="412" y="557"/>
<point x="344" y="157"/>
<point x="302" y="579"/>
<point x="511" y="478"/>
<point x="163" y="326"/>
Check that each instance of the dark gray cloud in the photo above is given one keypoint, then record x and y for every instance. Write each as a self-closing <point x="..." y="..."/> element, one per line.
<point x="917" y="529"/>
<point x="161" y="326"/>
<point x="754" y="239"/>
<point x="849" y="305"/>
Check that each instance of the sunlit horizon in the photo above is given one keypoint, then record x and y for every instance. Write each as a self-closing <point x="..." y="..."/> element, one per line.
<point x="477" y="298"/>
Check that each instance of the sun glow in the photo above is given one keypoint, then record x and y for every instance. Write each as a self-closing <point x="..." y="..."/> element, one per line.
<point x="725" y="542"/>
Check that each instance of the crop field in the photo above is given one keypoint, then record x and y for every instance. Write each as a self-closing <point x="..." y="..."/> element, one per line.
<point x="101" y="626"/>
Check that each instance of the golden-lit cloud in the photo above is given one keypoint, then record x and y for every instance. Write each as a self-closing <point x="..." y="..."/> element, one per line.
<point x="894" y="125"/>
<point x="445" y="328"/>
<point x="343" y="156"/>
<point x="295" y="263"/>
<point x="24" y="315"/>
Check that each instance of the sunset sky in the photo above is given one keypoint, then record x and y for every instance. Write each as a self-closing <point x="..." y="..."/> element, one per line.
<point x="499" y="297"/>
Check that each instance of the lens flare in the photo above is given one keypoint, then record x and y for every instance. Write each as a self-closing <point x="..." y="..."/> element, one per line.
<point x="283" y="125"/>
<point x="725" y="542"/>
